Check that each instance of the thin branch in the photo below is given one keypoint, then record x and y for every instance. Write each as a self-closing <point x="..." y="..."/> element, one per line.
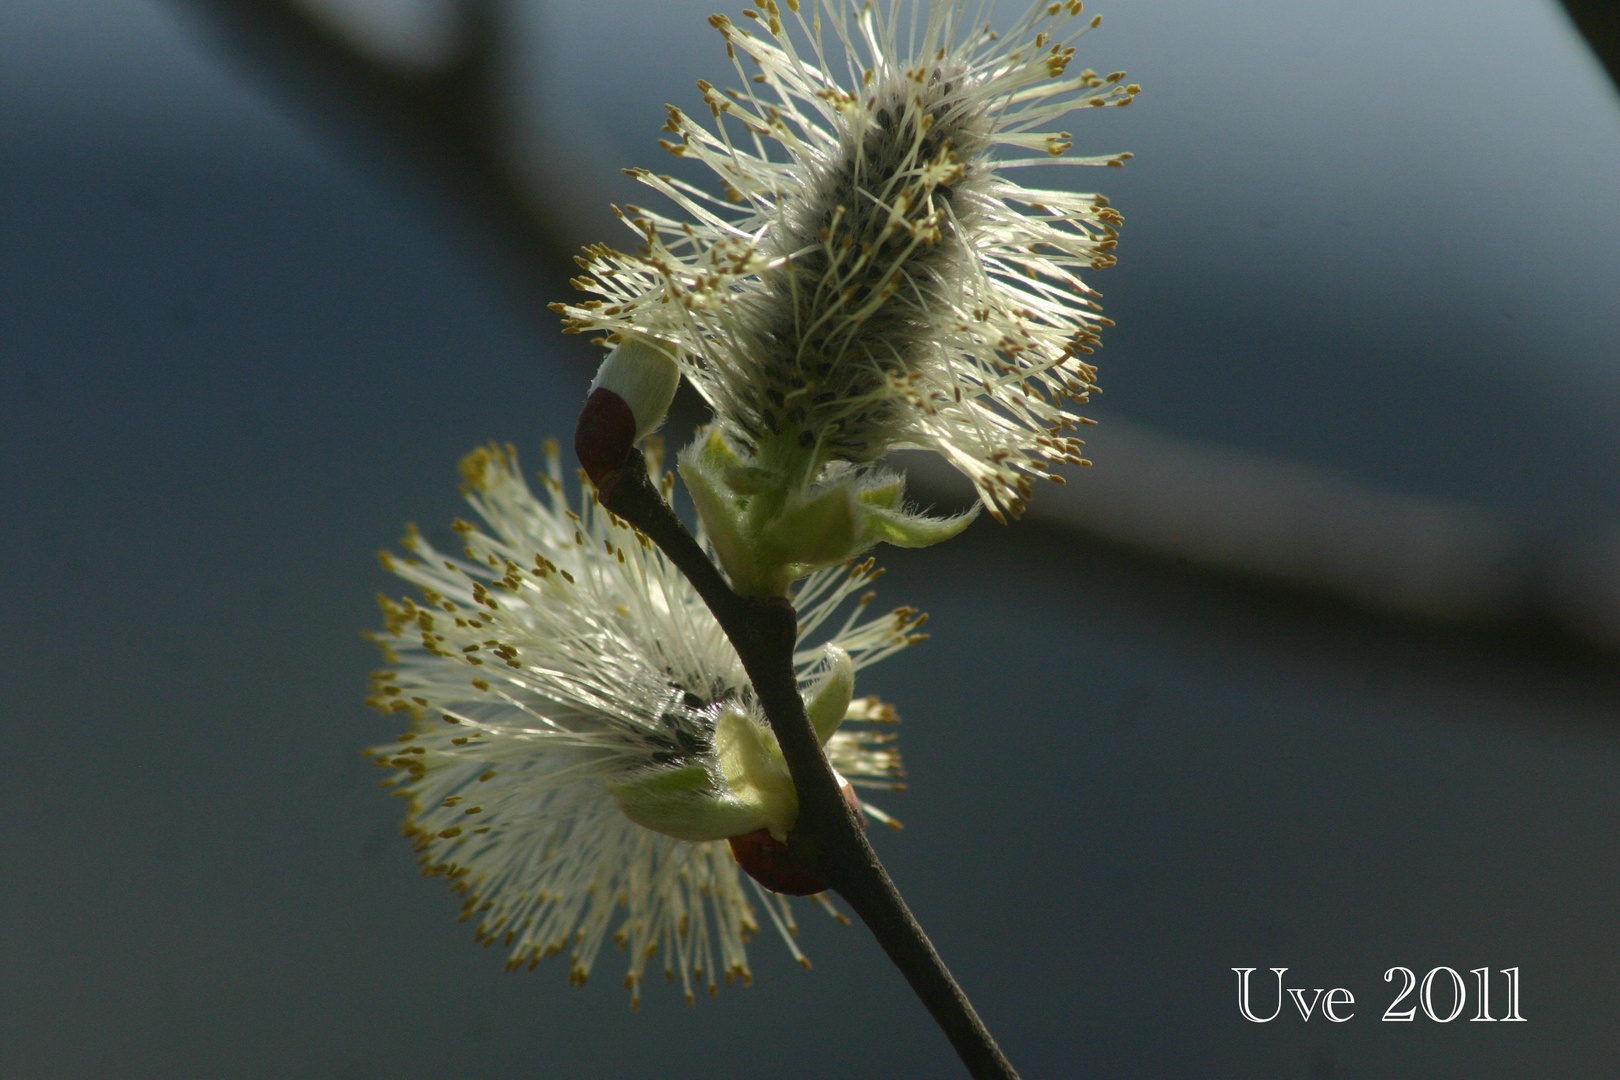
<point x="827" y="838"/>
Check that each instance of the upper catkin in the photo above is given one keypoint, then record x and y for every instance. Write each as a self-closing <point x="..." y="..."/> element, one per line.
<point x="869" y="277"/>
<point x="868" y="269"/>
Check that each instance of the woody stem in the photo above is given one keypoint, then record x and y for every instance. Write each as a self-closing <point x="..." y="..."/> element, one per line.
<point x="827" y="839"/>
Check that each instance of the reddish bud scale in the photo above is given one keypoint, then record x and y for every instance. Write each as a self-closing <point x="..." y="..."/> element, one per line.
<point x="768" y="861"/>
<point x="604" y="434"/>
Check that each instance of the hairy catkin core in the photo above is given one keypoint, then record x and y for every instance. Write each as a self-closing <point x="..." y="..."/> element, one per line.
<point x="870" y="254"/>
<point x="683" y="733"/>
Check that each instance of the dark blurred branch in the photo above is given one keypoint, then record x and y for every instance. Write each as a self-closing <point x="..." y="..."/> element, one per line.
<point x="448" y="117"/>
<point x="1599" y="23"/>
<point x="445" y="122"/>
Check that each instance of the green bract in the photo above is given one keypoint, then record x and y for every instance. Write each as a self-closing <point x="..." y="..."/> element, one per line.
<point x="750" y="788"/>
<point x="769" y="529"/>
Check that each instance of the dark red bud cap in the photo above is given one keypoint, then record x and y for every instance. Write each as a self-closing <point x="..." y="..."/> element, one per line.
<point x="767" y="860"/>
<point x="605" y="434"/>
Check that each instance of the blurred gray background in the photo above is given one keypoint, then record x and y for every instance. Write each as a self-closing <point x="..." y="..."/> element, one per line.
<point x="1315" y="668"/>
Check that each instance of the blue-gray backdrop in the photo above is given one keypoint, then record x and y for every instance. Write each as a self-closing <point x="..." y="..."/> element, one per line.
<point x="242" y="342"/>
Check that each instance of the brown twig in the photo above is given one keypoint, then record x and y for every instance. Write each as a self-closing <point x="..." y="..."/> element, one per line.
<point x="827" y="838"/>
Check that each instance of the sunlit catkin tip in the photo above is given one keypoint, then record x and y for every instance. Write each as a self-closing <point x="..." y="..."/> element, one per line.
<point x="645" y="375"/>
<point x="627" y="401"/>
